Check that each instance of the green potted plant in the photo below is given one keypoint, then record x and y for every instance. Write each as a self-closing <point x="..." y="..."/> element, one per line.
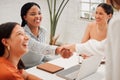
<point x="55" y="11"/>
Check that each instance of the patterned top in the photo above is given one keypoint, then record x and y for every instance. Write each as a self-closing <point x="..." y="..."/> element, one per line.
<point x="37" y="48"/>
<point x="8" y="71"/>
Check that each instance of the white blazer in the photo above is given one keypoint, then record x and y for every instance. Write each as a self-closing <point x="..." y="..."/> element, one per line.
<point x="113" y="49"/>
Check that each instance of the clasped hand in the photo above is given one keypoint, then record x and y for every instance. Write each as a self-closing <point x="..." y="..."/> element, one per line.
<point x="64" y="52"/>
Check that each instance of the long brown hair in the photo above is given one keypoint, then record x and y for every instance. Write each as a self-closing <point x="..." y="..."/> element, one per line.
<point x="115" y="3"/>
<point x="5" y="32"/>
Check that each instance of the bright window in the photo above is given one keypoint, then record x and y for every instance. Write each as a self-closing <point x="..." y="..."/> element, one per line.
<point x="87" y="8"/>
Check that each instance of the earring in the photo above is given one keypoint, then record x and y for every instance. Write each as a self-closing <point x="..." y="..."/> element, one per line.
<point x="8" y="47"/>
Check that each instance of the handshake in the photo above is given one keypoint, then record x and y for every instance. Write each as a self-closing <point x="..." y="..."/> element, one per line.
<point x="65" y="51"/>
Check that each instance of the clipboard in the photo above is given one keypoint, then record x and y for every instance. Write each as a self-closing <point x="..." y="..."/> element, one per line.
<point x="51" y="68"/>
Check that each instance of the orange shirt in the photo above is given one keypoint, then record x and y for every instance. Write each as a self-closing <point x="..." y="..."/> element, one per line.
<point x="8" y="71"/>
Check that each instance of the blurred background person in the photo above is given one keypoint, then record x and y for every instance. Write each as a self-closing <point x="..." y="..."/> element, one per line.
<point x="113" y="46"/>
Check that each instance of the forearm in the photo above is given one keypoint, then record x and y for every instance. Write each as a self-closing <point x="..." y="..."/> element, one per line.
<point x="41" y="47"/>
<point x="32" y="77"/>
<point x="28" y="76"/>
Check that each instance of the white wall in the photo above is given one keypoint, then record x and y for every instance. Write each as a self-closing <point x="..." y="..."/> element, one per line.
<point x="70" y="27"/>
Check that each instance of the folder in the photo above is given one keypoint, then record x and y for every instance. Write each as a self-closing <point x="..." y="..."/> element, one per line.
<point x="51" y="68"/>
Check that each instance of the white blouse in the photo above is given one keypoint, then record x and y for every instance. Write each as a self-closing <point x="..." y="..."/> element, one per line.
<point x="91" y="47"/>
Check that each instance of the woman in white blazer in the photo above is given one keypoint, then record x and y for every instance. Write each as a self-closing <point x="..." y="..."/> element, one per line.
<point x="113" y="46"/>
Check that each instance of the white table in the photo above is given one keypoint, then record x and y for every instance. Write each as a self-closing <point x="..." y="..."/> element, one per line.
<point x="66" y="63"/>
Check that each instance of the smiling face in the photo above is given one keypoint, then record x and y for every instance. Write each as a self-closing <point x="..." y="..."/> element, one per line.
<point x="18" y="41"/>
<point x="101" y="16"/>
<point x="33" y="16"/>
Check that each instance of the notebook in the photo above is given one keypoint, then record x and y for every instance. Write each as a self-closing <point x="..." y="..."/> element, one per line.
<point x="80" y="71"/>
<point x="51" y="68"/>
